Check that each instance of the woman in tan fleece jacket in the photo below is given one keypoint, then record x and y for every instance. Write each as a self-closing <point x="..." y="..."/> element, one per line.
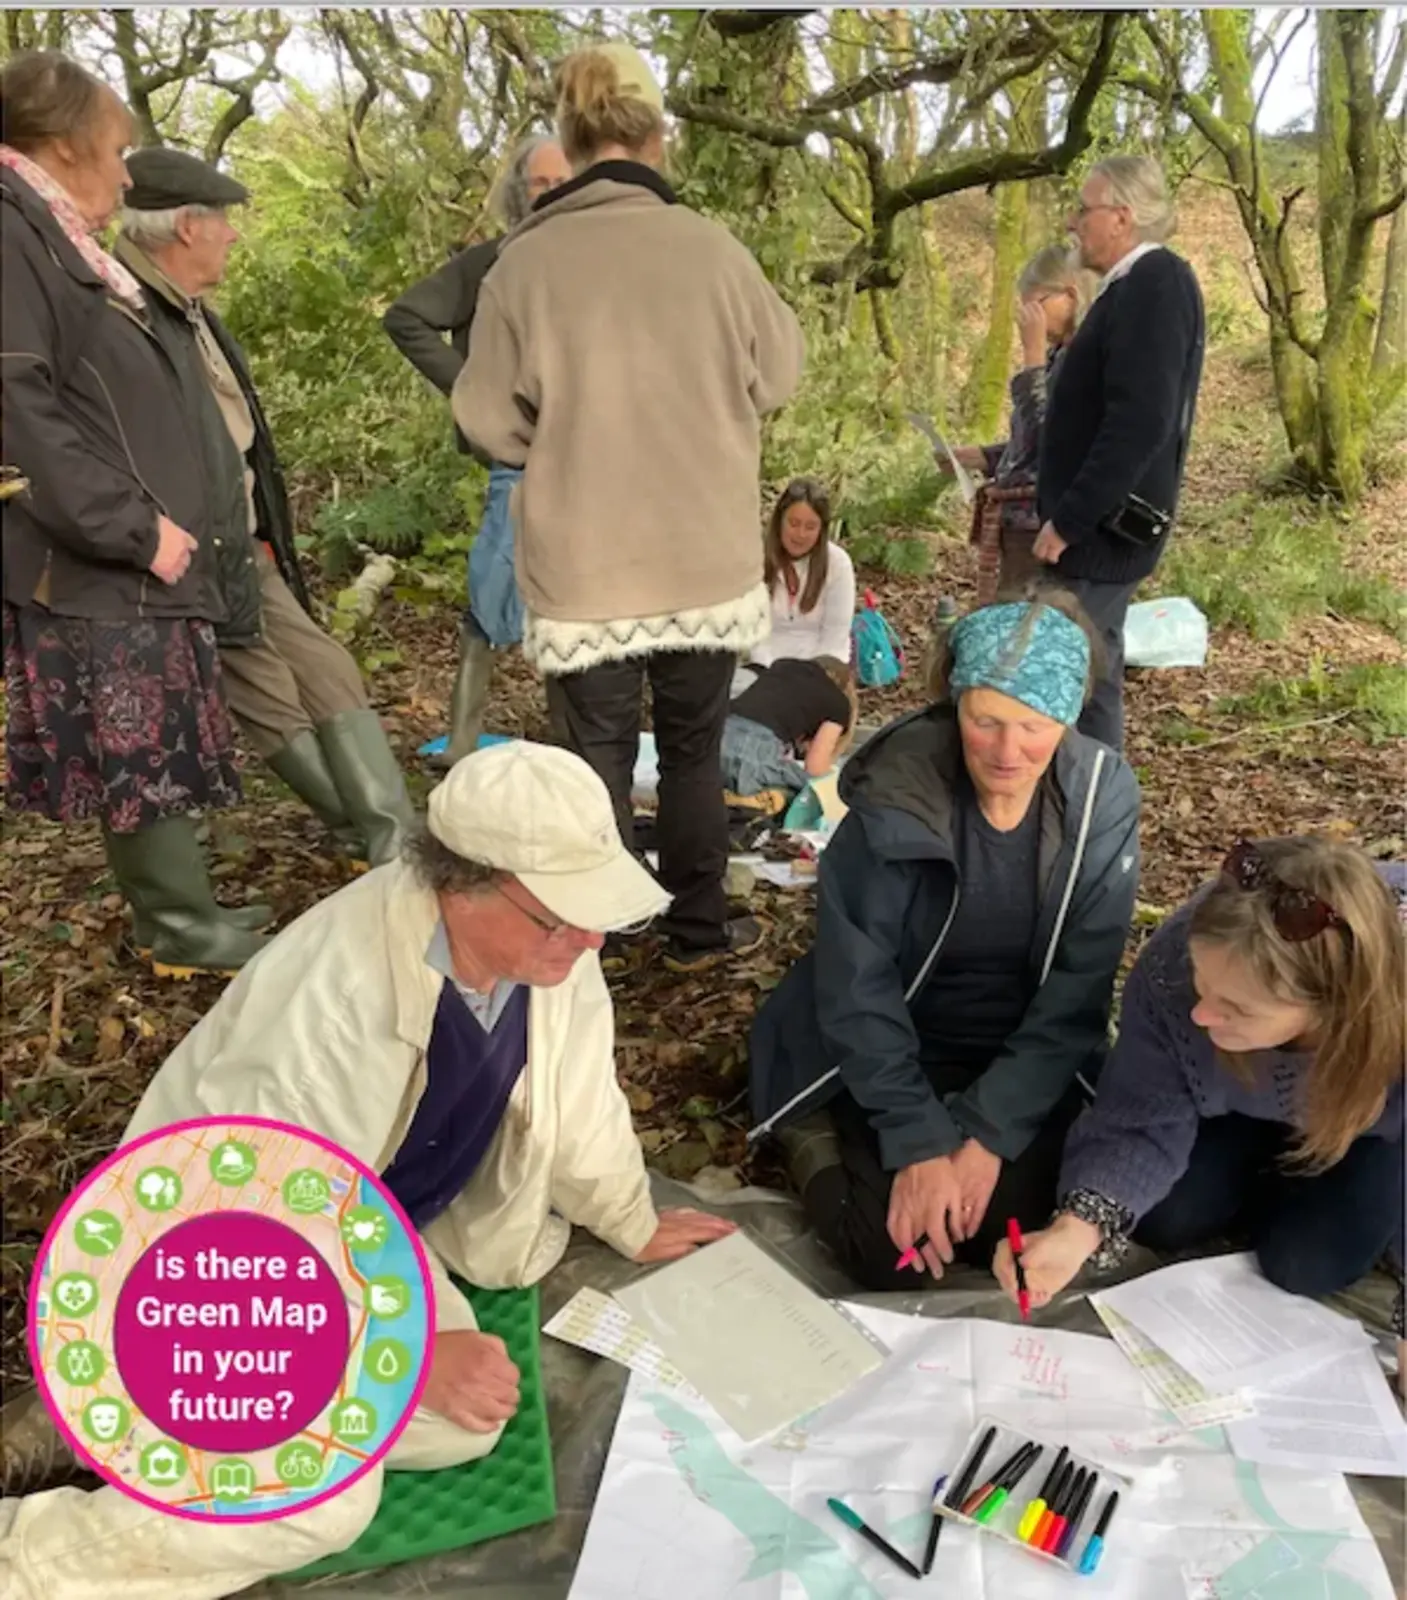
<point x="624" y="352"/>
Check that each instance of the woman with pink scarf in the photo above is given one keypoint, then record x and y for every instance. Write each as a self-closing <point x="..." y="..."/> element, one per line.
<point x="116" y="713"/>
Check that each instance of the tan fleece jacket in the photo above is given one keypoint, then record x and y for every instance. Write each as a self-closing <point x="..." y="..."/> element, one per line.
<point x="623" y="353"/>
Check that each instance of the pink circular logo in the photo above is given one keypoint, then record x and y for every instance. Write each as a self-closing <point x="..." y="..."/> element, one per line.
<point x="231" y="1319"/>
<point x="231" y="1333"/>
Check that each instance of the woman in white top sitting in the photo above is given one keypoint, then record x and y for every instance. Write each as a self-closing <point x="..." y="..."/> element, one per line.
<point x="810" y="579"/>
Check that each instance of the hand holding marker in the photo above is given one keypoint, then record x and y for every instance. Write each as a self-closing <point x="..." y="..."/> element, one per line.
<point x="1018" y="1245"/>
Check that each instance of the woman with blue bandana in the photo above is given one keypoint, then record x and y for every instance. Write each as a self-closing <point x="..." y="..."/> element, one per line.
<point x="921" y="1065"/>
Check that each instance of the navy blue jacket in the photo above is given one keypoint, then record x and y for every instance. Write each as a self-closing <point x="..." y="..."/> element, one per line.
<point x="844" y="1015"/>
<point x="1117" y="414"/>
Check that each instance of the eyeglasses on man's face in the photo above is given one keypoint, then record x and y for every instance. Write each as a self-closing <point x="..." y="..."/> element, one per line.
<point x="557" y="931"/>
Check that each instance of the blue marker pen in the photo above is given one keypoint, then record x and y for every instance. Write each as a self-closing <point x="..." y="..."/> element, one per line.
<point x="1095" y="1548"/>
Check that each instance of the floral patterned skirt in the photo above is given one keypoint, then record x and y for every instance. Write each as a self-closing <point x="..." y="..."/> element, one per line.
<point x="124" y="722"/>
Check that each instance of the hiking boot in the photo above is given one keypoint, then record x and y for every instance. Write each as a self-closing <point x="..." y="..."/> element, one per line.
<point x="33" y="1454"/>
<point x="744" y="935"/>
<point x="466" y="706"/>
<point x="303" y="767"/>
<point x="369" y="781"/>
<point x="161" y="870"/>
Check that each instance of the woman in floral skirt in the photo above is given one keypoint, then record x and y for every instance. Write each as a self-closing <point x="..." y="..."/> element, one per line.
<point x="113" y="681"/>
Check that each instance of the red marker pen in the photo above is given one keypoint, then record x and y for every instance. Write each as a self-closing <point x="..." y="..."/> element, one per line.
<point x="1018" y="1244"/>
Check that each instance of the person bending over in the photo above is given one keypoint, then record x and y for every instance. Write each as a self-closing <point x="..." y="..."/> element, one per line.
<point x="788" y="726"/>
<point x="1256" y="1088"/>
<point x="923" y="1061"/>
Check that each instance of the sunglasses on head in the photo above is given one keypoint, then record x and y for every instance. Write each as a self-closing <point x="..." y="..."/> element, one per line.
<point x="1297" y="914"/>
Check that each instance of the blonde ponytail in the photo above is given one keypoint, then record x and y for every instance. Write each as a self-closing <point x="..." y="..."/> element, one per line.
<point x="606" y="95"/>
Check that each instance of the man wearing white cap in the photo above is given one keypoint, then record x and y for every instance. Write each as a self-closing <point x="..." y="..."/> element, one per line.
<point x="445" y="1019"/>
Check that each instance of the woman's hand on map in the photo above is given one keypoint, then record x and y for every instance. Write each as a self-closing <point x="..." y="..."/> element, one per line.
<point x="978" y="1170"/>
<point x="1051" y="1258"/>
<point x="681" y="1232"/>
<point x="472" y="1381"/>
<point x="927" y="1198"/>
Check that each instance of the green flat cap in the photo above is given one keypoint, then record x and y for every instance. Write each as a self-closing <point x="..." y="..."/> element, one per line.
<point x="164" y="179"/>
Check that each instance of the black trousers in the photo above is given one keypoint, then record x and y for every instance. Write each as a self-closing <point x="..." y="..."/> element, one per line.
<point x="597" y="713"/>
<point x="1313" y="1233"/>
<point x="848" y="1205"/>
<point x="1106" y="605"/>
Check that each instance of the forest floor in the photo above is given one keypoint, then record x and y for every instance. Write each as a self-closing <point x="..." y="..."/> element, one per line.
<point x="1219" y="752"/>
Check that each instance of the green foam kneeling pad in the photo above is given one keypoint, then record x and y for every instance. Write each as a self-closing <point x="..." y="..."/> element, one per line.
<point x="424" y="1513"/>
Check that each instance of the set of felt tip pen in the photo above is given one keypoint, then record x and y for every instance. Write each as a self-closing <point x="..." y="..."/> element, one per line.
<point x="1049" y="1523"/>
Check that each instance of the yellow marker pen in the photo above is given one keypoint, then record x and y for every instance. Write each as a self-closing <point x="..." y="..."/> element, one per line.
<point x="1036" y="1508"/>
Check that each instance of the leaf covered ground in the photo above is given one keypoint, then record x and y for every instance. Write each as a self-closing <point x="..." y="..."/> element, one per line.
<point x="1242" y="747"/>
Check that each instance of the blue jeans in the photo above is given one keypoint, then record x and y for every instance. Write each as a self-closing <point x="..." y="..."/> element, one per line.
<point x="495" y="607"/>
<point x="754" y="758"/>
<point x="1313" y="1233"/>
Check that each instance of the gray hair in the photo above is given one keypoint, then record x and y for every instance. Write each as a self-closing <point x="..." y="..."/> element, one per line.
<point x="1138" y="183"/>
<point x="441" y="869"/>
<point x="159" y="227"/>
<point x="511" y="197"/>
<point x="1058" y="267"/>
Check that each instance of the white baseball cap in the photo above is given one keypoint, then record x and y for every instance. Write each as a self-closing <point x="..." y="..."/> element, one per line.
<point x="541" y="814"/>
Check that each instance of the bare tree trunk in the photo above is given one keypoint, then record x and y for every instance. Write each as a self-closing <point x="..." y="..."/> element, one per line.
<point x="1390" y="348"/>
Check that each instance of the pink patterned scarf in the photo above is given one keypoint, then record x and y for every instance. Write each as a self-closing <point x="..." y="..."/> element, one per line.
<point x="70" y="219"/>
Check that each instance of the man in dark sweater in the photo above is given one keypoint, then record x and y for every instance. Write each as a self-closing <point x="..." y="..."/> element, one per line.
<point x="1119" y="415"/>
<point x="444" y="303"/>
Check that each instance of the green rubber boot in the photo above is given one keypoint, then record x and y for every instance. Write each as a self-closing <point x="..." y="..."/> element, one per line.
<point x="369" y="781"/>
<point x="251" y="918"/>
<point x="161" y="870"/>
<point x="303" y="767"/>
<point x="466" y="706"/>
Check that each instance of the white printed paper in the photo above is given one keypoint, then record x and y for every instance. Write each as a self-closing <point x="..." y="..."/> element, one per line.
<point x="688" y="1511"/>
<point x="593" y="1321"/>
<point x="1343" y="1416"/>
<point x="1228" y="1326"/>
<point x="759" y="1344"/>
<point x="1194" y="1405"/>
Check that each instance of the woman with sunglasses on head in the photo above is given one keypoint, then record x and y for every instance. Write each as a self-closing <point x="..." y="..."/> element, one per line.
<point x="809" y="577"/>
<point x="1256" y="1089"/>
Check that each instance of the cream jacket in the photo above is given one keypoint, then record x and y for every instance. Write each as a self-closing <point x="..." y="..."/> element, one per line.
<point x="328" y="1029"/>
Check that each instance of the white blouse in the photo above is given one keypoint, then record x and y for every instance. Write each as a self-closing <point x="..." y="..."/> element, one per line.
<point x="799" y="635"/>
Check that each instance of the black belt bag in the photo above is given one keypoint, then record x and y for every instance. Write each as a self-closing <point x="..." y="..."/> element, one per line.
<point x="1137" y="522"/>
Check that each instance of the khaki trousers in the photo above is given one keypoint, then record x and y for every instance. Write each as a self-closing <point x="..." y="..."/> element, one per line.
<point x="294" y="678"/>
<point x="68" y="1544"/>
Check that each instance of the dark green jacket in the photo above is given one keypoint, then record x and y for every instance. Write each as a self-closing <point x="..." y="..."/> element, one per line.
<point x="92" y="414"/>
<point x="443" y="303"/>
<point x="236" y="554"/>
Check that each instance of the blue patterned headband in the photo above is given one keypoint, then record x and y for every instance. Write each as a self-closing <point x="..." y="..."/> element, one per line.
<point x="1043" y="661"/>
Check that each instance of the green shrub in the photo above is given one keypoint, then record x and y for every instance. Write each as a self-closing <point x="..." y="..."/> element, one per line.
<point x="1259" y="565"/>
<point x="1372" y="696"/>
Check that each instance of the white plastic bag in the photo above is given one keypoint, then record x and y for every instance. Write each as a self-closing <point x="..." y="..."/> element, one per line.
<point x="1165" y="633"/>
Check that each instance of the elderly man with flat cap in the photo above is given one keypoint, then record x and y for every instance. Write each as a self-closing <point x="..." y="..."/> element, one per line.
<point x="445" y="1019"/>
<point x="296" y="694"/>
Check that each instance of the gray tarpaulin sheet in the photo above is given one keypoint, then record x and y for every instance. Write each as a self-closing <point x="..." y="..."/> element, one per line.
<point x="584" y="1392"/>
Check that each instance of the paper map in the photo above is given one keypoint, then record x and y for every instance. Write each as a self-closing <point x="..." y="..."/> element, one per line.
<point x="688" y="1511"/>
